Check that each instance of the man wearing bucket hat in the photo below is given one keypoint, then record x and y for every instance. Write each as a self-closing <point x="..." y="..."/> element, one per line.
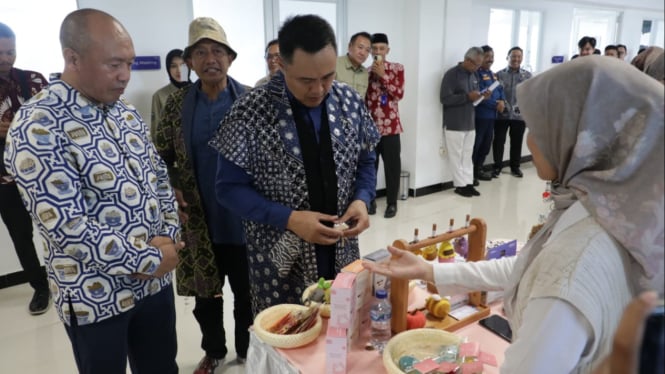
<point x="296" y="157"/>
<point x="216" y="244"/>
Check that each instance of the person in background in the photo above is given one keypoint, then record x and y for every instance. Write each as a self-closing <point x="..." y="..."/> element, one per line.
<point x="173" y="64"/>
<point x="16" y="87"/>
<point x="587" y="46"/>
<point x="386" y="89"/>
<point x="216" y="243"/>
<point x="296" y="157"/>
<point x="510" y="119"/>
<point x="459" y="90"/>
<point x="272" y="61"/>
<point x="602" y="243"/>
<point x="100" y="196"/>
<point x="350" y="69"/>
<point x="612" y="51"/>
<point x="485" y="116"/>
<point x="622" y="51"/>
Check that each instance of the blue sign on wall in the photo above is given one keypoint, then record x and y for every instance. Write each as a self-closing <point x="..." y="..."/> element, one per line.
<point x="557" y="59"/>
<point x="146" y="63"/>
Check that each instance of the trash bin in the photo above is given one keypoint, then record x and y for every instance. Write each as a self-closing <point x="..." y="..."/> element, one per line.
<point x="404" y="185"/>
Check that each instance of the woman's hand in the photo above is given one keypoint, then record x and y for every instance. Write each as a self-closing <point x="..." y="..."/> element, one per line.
<point x="403" y="264"/>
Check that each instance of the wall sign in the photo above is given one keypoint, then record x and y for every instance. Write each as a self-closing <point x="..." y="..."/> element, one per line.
<point x="146" y="63"/>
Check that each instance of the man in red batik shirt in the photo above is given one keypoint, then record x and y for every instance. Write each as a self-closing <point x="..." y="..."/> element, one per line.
<point x="386" y="89"/>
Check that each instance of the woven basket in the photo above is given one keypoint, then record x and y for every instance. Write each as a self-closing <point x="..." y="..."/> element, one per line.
<point x="419" y="343"/>
<point x="324" y="309"/>
<point x="270" y="316"/>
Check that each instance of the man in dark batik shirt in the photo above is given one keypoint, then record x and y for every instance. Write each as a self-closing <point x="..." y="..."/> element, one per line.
<point x="16" y="87"/>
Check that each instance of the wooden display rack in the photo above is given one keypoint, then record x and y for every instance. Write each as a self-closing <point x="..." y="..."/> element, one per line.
<point x="399" y="289"/>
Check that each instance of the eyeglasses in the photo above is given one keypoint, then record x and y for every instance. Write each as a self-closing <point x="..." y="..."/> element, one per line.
<point x="202" y="52"/>
<point x="271" y="56"/>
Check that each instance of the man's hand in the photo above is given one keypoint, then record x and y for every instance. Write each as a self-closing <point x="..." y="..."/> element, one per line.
<point x="378" y="68"/>
<point x="356" y="217"/>
<point x="4" y="127"/>
<point x="182" y="205"/>
<point x="169" y="254"/>
<point x="169" y="257"/>
<point x="307" y="225"/>
<point x="474" y="95"/>
<point x="500" y="106"/>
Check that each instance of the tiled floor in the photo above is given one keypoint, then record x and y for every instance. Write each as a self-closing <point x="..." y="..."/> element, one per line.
<point x="510" y="206"/>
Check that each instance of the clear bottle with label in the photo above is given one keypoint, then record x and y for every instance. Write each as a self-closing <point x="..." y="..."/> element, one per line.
<point x="380" y="315"/>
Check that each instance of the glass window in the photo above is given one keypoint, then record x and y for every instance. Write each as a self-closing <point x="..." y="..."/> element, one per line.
<point x="511" y="27"/>
<point x="36" y="24"/>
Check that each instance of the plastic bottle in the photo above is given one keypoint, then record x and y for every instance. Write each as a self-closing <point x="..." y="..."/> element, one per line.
<point x="380" y="315"/>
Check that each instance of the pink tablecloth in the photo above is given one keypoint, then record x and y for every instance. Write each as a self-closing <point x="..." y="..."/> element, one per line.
<point x="312" y="357"/>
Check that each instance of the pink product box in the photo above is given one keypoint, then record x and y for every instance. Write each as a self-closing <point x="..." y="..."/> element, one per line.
<point x="362" y="286"/>
<point x="342" y="300"/>
<point x="337" y="349"/>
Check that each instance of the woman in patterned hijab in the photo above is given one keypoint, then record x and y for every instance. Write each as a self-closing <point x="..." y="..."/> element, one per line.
<point x="603" y="135"/>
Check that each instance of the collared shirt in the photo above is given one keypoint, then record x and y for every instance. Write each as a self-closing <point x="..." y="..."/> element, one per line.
<point x="487" y="108"/>
<point x="383" y="95"/>
<point x="458" y="110"/>
<point x="509" y="79"/>
<point x="98" y="191"/>
<point x="356" y="77"/>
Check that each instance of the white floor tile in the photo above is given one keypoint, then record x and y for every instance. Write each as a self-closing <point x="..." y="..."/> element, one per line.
<point x="509" y="206"/>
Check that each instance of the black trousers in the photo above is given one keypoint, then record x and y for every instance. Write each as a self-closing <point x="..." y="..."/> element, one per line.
<point x="516" y="127"/>
<point x="209" y="312"/>
<point x="19" y="225"/>
<point x="389" y="149"/>
<point x="144" y="334"/>
<point x="483" y="142"/>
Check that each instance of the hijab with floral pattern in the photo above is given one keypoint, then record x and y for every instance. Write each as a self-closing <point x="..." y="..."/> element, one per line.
<point x="599" y="122"/>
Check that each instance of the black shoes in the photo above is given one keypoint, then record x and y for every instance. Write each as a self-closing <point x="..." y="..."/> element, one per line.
<point x="41" y="301"/>
<point x="372" y="208"/>
<point x="475" y="182"/>
<point x="496" y="172"/>
<point x="467" y="191"/>
<point x="207" y="365"/>
<point x="484" y="175"/>
<point x="391" y="210"/>
<point x="474" y="192"/>
<point x="516" y="172"/>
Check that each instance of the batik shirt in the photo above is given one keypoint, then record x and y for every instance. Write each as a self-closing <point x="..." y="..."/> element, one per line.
<point x="383" y="96"/>
<point x="98" y="192"/>
<point x="259" y="137"/>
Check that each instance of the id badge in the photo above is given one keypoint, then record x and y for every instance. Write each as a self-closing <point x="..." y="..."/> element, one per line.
<point x="384" y="99"/>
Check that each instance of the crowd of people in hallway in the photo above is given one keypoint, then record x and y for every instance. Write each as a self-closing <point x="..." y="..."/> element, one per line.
<point x="253" y="184"/>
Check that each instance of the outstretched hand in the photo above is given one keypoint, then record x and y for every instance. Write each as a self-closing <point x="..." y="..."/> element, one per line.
<point x="404" y="265"/>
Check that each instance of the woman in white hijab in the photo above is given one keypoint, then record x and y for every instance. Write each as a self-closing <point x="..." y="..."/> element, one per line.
<point x="596" y="131"/>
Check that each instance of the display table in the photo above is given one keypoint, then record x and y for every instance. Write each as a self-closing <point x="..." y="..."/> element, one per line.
<point x="262" y="358"/>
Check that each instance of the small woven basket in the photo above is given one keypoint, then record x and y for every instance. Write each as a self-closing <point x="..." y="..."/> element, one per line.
<point x="419" y="343"/>
<point x="324" y="309"/>
<point x="270" y="316"/>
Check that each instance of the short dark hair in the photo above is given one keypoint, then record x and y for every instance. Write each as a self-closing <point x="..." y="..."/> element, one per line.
<point x="308" y="32"/>
<point x="6" y="31"/>
<point x="585" y="40"/>
<point x="364" y="34"/>
<point x="487" y="48"/>
<point x="596" y="51"/>
<point x="271" y="43"/>
<point x="622" y="46"/>
<point x="611" y="47"/>
<point x="515" y="48"/>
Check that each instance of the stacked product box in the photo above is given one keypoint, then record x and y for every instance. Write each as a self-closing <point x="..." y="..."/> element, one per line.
<point x="359" y="330"/>
<point x="342" y="308"/>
